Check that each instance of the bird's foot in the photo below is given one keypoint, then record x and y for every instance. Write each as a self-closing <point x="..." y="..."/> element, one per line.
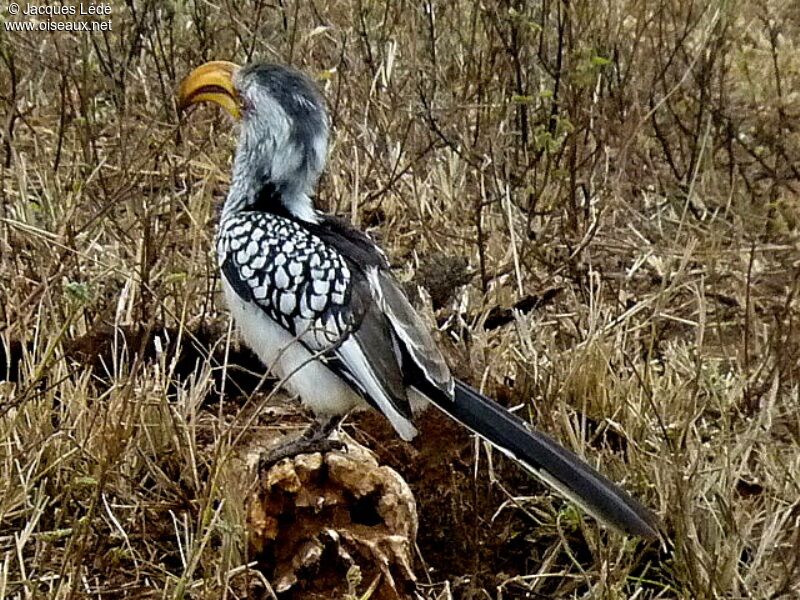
<point x="316" y="438"/>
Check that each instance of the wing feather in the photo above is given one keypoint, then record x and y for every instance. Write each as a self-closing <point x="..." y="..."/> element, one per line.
<point x="409" y="327"/>
<point x="328" y="307"/>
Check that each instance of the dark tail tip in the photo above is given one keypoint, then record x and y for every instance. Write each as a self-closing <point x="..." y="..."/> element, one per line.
<point x="551" y="462"/>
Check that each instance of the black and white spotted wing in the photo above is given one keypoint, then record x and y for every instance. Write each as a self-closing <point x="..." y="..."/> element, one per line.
<point x="293" y="276"/>
<point x="307" y="286"/>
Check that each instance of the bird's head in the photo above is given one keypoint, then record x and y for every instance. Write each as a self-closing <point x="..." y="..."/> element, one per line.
<point x="284" y="132"/>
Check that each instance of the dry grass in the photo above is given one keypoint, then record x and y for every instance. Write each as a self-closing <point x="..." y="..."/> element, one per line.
<point x="639" y="158"/>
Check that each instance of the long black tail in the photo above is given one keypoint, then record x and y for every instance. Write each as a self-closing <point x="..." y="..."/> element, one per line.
<point x="550" y="462"/>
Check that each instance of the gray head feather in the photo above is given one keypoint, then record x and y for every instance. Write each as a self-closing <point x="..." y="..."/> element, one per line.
<point x="283" y="140"/>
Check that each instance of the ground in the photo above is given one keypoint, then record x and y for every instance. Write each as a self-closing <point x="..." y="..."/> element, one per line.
<point x="594" y="204"/>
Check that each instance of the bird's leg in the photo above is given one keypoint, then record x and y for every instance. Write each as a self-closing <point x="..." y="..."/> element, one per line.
<point x="316" y="438"/>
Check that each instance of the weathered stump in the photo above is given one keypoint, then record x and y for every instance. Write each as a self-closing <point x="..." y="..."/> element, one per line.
<point x="320" y="524"/>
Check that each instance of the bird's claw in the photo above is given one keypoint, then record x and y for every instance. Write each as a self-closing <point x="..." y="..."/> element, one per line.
<point x="314" y="439"/>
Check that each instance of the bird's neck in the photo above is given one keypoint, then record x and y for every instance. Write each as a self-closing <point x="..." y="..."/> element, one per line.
<point x="268" y="199"/>
<point x="252" y="190"/>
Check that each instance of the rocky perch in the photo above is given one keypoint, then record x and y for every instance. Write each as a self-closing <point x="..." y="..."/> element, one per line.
<point x="319" y="524"/>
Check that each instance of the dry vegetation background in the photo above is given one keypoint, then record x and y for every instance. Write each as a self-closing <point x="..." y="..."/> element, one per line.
<point x="626" y="172"/>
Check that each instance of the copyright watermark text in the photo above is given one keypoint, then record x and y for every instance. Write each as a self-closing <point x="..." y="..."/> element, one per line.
<point x="45" y="17"/>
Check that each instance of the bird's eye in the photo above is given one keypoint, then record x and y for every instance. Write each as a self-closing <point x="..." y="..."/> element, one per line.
<point x="247" y="104"/>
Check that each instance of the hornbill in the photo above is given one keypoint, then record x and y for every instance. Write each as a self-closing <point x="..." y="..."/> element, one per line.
<point x="316" y="300"/>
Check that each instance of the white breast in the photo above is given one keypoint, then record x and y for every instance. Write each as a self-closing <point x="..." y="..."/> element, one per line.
<point x="318" y="387"/>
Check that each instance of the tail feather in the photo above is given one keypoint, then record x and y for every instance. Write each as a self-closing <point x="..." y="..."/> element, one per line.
<point x="552" y="463"/>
